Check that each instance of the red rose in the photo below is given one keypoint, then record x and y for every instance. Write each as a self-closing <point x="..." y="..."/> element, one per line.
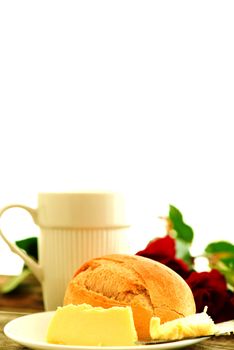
<point x="210" y="289"/>
<point x="179" y="266"/>
<point x="164" y="251"/>
<point x="159" y="249"/>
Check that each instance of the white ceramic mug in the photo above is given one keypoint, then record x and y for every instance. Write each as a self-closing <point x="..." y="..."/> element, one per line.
<point x="74" y="227"/>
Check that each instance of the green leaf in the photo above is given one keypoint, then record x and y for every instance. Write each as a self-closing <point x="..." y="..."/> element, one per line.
<point x="226" y="268"/>
<point x="221" y="257"/>
<point x="220" y="247"/>
<point x="229" y="262"/>
<point x="183" y="251"/>
<point x="30" y="245"/>
<point x="175" y="214"/>
<point x="183" y="231"/>
<point x="13" y="282"/>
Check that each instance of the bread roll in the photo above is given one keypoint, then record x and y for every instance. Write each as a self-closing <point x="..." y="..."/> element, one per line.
<point x="149" y="287"/>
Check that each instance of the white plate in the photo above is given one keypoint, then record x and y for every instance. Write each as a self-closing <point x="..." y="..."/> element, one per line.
<point x="30" y="331"/>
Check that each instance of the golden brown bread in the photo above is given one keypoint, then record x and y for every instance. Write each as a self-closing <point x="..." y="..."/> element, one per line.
<point x="150" y="288"/>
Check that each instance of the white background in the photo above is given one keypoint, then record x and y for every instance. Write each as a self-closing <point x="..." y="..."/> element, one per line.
<point x="134" y="96"/>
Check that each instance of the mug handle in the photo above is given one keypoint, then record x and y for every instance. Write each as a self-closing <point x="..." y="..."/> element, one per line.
<point x="32" y="264"/>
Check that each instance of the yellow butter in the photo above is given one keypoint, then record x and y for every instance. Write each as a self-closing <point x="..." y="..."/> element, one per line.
<point x="87" y="325"/>
<point x="196" y="325"/>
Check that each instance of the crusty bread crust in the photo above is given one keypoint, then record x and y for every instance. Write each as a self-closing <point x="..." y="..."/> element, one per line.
<point x="149" y="287"/>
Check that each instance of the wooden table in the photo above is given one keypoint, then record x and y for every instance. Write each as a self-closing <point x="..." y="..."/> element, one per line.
<point x="25" y="299"/>
<point x="28" y="299"/>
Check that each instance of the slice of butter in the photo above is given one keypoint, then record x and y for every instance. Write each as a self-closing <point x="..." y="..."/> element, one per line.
<point x="87" y="325"/>
<point x="196" y="325"/>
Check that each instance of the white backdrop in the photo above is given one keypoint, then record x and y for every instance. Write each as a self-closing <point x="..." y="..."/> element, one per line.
<point x="135" y="96"/>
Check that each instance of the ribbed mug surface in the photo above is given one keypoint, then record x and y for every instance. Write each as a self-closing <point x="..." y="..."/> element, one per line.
<point x="63" y="251"/>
